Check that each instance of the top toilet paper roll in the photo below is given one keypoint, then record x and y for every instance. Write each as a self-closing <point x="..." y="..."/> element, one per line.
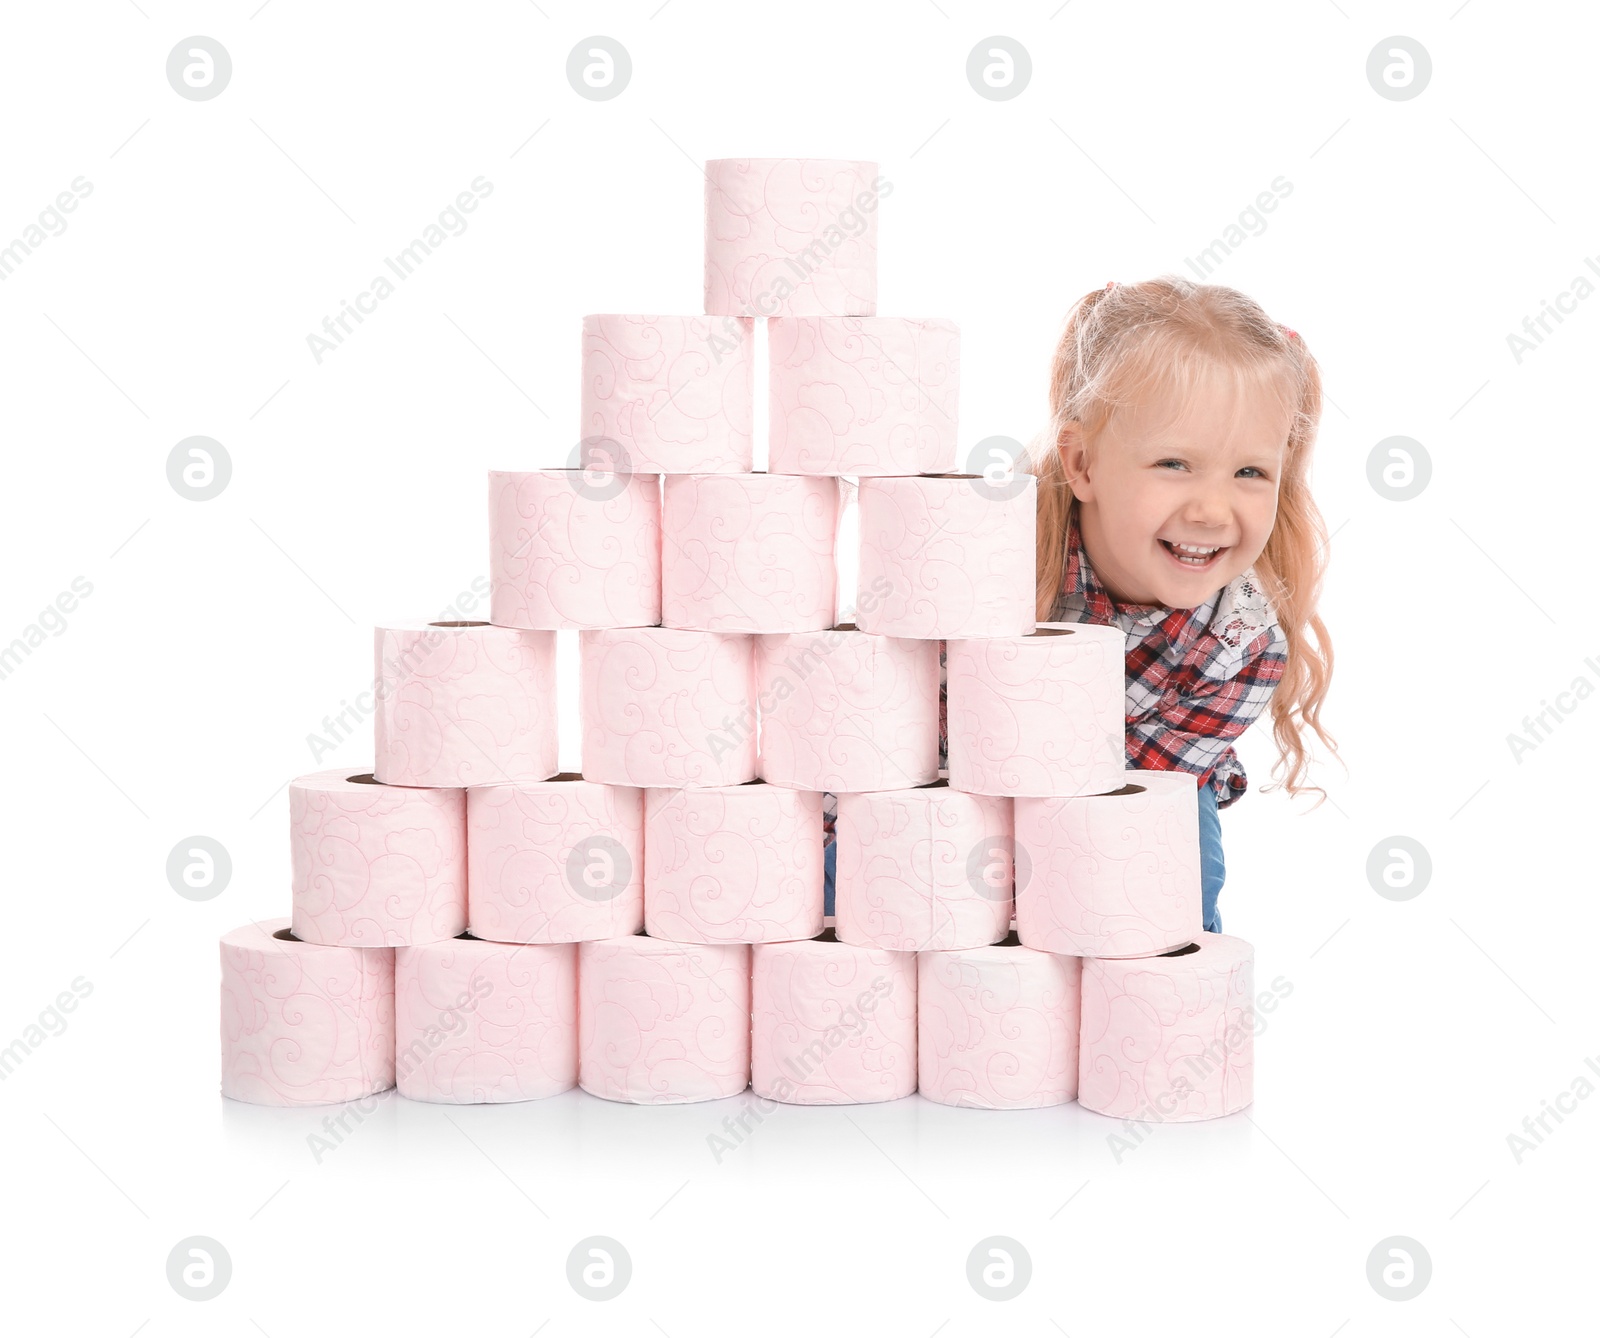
<point x="574" y="548"/>
<point x="792" y="237"/>
<point x="862" y="395"/>
<point x="748" y="552"/>
<point x="946" y="555"/>
<point x="674" y="392"/>
<point x="465" y="703"/>
<point x="1170" y="1038"/>
<point x="1040" y="714"/>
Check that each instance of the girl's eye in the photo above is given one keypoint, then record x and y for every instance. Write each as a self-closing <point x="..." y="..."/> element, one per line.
<point x="1250" y="472"/>
<point x="1175" y="464"/>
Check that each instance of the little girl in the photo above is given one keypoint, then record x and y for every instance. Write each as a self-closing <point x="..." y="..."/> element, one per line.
<point x="1174" y="502"/>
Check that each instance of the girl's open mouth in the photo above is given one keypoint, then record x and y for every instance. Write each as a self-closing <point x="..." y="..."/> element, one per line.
<point x="1193" y="557"/>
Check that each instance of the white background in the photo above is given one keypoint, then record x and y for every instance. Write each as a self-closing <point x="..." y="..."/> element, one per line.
<point x="179" y="697"/>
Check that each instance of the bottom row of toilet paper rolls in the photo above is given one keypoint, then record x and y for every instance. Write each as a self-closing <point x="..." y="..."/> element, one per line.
<point x="811" y="1022"/>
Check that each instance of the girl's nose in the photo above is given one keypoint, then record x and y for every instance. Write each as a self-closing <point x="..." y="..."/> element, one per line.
<point x="1208" y="506"/>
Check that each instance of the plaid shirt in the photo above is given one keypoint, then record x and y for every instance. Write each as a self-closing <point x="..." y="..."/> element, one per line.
<point x="1196" y="677"/>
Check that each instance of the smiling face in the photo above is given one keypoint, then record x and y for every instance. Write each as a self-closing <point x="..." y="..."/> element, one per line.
<point x="1173" y="508"/>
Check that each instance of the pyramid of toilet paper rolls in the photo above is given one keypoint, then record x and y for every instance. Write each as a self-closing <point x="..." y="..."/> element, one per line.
<point x="471" y="926"/>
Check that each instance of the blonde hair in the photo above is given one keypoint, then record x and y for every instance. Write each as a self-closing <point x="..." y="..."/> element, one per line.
<point x="1132" y="343"/>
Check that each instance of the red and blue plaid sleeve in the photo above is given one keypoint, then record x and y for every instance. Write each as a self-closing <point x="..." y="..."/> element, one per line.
<point x="1194" y="720"/>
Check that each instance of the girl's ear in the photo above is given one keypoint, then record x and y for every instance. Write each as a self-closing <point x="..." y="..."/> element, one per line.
<point x="1074" y="451"/>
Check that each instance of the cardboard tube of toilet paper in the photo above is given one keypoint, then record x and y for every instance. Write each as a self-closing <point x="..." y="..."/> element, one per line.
<point x="923" y="868"/>
<point x="749" y="552"/>
<point x="676" y="393"/>
<point x="863" y="395"/>
<point x="465" y="703"/>
<point x="844" y="710"/>
<point x="732" y="864"/>
<point x="555" y="861"/>
<point x="483" y="1022"/>
<point x="574" y="548"/>
<point x="946" y="555"/>
<point x="792" y="237"/>
<point x="375" y="865"/>
<point x="997" y="1027"/>
<point x="831" y="1023"/>
<point x="660" y="1023"/>
<point x="1170" y="1038"/>
<point x="663" y="706"/>
<point x="1112" y="875"/>
<point x="1040" y="714"/>
<point x="304" y="1024"/>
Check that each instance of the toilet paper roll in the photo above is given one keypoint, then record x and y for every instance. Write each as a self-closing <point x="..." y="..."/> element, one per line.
<point x="1113" y="875"/>
<point x="1040" y="714"/>
<point x="675" y="392"/>
<point x="375" y="865"/>
<point x="465" y="703"/>
<point x="660" y="1022"/>
<point x="749" y="552"/>
<point x="925" y="868"/>
<point x="844" y="710"/>
<point x="1170" y="1038"/>
<point x="732" y="864"/>
<point x="662" y="706"/>
<point x="574" y="548"/>
<point x="555" y="861"/>
<point x="997" y="1027"/>
<point x="483" y="1022"/>
<point x="946" y="555"/>
<point x="304" y="1024"/>
<point x="862" y="395"/>
<point x="792" y="237"/>
<point x="832" y="1024"/>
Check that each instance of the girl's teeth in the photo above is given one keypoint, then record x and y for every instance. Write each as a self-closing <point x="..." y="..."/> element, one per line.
<point x="1195" y="555"/>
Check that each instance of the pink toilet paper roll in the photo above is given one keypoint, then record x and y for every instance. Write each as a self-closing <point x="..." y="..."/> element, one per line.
<point x="792" y="237"/>
<point x="555" y="861"/>
<point x="832" y="1024"/>
<point x="1170" y="1038"/>
<point x="863" y="395"/>
<point x="375" y="865"/>
<point x="675" y="392"/>
<point x="484" y="1022"/>
<point x="925" y="868"/>
<point x="465" y="703"/>
<point x="661" y="1022"/>
<point x="1038" y="714"/>
<point x="997" y="1027"/>
<point x="955" y="555"/>
<point x="1113" y="875"/>
<point x="574" y="548"/>
<point x="749" y="552"/>
<point x="845" y="710"/>
<point x="732" y="864"/>
<point x="304" y="1024"/>
<point x="662" y="706"/>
